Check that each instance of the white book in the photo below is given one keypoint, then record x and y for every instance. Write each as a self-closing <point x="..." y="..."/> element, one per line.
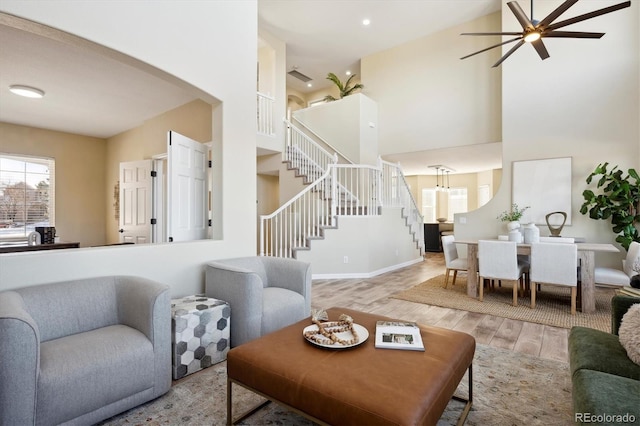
<point x="398" y="335"/>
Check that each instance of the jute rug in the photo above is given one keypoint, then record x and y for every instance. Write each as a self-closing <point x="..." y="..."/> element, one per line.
<point x="553" y="303"/>
<point x="508" y="389"/>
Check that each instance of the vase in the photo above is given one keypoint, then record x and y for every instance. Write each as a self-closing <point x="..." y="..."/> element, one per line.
<point x="531" y="233"/>
<point x="515" y="235"/>
<point x="514" y="224"/>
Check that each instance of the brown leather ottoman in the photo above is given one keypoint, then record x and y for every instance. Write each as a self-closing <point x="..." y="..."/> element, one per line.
<point x="355" y="386"/>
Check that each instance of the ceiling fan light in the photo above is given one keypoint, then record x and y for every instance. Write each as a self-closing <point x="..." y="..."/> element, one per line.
<point x="26" y="91"/>
<point x="532" y="36"/>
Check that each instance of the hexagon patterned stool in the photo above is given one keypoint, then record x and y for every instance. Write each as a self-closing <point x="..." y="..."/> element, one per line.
<point x="200" y="333"/>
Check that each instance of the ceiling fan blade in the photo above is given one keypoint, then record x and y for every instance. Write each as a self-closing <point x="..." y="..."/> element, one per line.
<point x="492" y="47"/>
<point x="556" y="13"/>
<point x="494" y="34"/>
<point x="540" y="48"/>
<point x="572" y="34"/>
<point x="506" y="55"/>
<point x="589" y="15"/>
<point x="520" y="15"/>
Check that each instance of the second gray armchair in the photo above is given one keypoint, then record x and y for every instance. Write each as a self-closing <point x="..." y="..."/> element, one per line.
<point x="264" y="293"/>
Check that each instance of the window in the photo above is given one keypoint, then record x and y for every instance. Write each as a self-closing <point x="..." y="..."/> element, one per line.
<point x="457" y="201"/>
<point x="26" y="195"/>
<point x="429" y="205"/>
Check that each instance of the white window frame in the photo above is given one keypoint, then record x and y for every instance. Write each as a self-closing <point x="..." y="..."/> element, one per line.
<point x="16" y="225"/>
<point x="429" y="204"/>
<point x="453" y="202"/>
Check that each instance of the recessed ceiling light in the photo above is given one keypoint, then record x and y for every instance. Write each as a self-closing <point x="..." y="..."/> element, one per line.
<point x="348" y="72"/>
<point x="26" y="91"/>
<point x="366" y="21"/>
<point x="309" y="85"/>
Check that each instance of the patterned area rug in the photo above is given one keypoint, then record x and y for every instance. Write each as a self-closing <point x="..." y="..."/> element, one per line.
<point x="553" y="303"/>
<point x="508" y="389"/>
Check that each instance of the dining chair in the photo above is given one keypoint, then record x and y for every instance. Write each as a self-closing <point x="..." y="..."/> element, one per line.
<point x="555" y="264"/>
<point x="617" y="277"/>
<point x="498" y="260"/>
<point x="451" y="259"/>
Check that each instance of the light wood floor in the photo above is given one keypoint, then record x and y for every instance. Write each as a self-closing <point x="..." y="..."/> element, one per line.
<point x="373" y="295"/>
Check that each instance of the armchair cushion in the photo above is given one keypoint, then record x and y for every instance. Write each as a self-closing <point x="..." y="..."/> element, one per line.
<point x="264" y="293"/>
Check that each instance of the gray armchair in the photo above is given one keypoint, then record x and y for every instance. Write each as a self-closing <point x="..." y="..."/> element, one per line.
<point x="264" y="293"/>
<point x="78" y="352"/>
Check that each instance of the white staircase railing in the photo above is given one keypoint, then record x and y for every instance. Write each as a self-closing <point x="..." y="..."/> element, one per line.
<point x="304" y="154"/>
<point x="343" y="190"/>
<point x="265" y="114"/>
<point x="396" y="193"/>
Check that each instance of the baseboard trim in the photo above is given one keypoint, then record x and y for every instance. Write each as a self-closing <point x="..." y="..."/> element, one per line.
<point x="366" y="274"/>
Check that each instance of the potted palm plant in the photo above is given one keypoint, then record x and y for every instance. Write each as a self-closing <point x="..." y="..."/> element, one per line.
<point x="345" y="89"/>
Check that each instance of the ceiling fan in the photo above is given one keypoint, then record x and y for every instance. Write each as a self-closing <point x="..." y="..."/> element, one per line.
<point x="533" y="31"/>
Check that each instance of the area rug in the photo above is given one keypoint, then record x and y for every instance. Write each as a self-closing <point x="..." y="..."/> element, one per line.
<point x="553" y="303"/>
<point x="508" y="389"/>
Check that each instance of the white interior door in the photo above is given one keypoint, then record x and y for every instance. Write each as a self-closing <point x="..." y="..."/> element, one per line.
<point x="187" y="189"/>
<point x="135" y="202"/>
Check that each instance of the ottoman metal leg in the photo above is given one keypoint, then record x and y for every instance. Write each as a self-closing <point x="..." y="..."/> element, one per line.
<point x="469" y="401"/>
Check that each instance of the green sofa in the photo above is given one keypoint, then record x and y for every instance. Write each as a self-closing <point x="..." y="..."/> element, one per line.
<point x="606" y="383"/>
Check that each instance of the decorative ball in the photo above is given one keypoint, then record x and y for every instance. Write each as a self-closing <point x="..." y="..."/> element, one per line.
<point x="635" y="281"/>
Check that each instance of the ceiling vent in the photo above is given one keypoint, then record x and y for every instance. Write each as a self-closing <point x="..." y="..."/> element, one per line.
<point x="299" y="76"/>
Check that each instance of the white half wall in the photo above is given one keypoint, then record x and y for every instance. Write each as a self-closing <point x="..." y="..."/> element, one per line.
<point x="205" y="45"/>
<point x="363" y="247"/>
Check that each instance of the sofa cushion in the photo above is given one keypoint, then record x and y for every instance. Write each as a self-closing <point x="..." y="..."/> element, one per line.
<point x="629" y="333"/>
<point x="601" y="394"/>
<point x="280" y="308"/>
<point x="83" y="372"/>
<point x="591" y="349"/>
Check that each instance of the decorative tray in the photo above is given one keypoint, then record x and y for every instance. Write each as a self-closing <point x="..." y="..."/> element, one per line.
<point x="362" y="335"/>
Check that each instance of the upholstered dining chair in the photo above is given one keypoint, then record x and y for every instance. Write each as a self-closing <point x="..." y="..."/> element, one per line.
<point x="498" y="260"/>
<point x="451" y="260"/>
<point x="617" y="277"/>
<point x="556" y="264"/>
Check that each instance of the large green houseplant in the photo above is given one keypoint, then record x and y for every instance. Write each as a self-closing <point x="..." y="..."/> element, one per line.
<point x="619" y="201"/>
<point x="345" y="89"/>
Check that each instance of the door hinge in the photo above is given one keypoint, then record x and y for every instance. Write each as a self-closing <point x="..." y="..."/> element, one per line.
<point x="154" y="173"/>
<point x="210" y="163"/>
<point x="154" y="221"/>
<point x="209" y="222"/>
<point x="170" y="239"/>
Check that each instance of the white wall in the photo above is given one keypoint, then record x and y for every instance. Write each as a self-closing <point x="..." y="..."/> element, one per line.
<point x="356" y="136"/>
<point x="371" y="245"/>
<point x="273" y="82"/>
<point x="189" y="40"/>
<point x="583" y="102"/>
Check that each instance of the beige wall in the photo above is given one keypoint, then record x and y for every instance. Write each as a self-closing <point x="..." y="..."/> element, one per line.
<point x="428" y="98"/>
<point x="79" y="178"/>
<point x="143" y="142"/>
<point x="461" y="180"/>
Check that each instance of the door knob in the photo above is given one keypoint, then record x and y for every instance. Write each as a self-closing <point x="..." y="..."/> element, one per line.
<point x="121" y="230"/>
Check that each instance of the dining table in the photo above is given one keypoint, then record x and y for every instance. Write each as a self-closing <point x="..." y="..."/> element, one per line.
<point x="586" y="262"/>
